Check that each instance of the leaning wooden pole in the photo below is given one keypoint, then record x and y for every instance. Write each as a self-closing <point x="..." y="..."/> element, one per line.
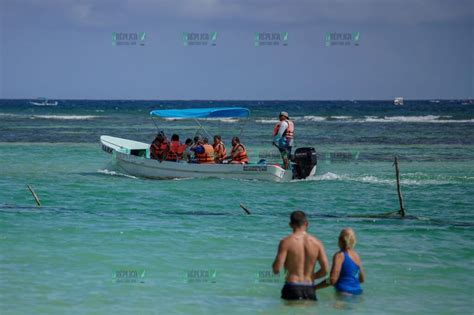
<point x="34" y="195"/>
<point x="400" y="197"/>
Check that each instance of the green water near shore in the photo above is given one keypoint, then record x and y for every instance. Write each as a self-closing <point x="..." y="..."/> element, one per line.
<point x="104" y="242"/>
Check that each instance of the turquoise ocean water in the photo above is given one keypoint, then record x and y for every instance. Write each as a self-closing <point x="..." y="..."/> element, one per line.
<point x="106" y="242"/>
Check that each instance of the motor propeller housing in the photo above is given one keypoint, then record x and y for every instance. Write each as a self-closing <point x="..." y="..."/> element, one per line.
<point x="305" y="160"/>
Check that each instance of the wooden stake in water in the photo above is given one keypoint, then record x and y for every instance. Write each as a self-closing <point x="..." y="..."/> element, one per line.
<point x="34" y="195"/>
<point x="245" y="209"/>
<point x="400" y="197"/>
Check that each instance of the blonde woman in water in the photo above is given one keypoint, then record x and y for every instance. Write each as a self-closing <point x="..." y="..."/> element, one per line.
<point x="347" y="272"/>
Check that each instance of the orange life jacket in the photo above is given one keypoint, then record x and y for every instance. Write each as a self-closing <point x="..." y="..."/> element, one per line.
<point x="173" y="153"/>
<point x="207" y="156"/>
<point x="181" y="149"/>
<point x="219" y="151"/>
<point x="289" y="132"/>
<point x="240" y="156"/>
<point x="159" y="149"/>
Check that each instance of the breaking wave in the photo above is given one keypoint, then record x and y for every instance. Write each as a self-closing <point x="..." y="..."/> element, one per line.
<point x="65" y="117"/>
<point x="9" y="115"/>
<point x="416" y="119"/>
<point x="373" y="119"/>
<point x="267" y="121"/>
<point x="226" y="120"/>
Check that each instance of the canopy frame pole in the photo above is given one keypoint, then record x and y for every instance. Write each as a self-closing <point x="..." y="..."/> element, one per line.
<point x="242" y="126"/>
<point x="154" y="122"/>
<point x="201" y="127"/>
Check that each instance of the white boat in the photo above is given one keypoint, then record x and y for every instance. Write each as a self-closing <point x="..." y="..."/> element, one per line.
<point x="133" y="157"/>
<point x="44" y="102"/>
<point x="398" y="101"/>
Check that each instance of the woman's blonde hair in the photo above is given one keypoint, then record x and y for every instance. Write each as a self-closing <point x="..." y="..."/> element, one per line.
<point x="347" y="239"/>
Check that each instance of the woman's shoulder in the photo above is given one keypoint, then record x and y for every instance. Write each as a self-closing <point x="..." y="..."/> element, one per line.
<point x="339" y="255"/>
<point x="355" y="257"/>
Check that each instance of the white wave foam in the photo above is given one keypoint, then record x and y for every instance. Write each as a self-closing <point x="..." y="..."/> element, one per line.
<point x="415" y="119"/>
<point x="65" y="117"/>
<point x="327" y="176"/>
<point x="375" y="180"/>
<point x="377" y="119"/>
<point x="267" y="121"/>
<point x="312" y="118"/>
<point x="114" y="173"/>
<point x="341" y="117"/>
<point x="9" y="115"/>
<point x="226" y="120"/>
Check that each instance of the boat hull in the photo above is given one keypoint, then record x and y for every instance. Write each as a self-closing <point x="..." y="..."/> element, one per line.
<point x="127" y="156"/>
<point x="44" y="104"/>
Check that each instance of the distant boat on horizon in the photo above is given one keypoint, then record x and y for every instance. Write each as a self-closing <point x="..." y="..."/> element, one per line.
<point x="42" y="101"/>
<point x="398" y="101"/>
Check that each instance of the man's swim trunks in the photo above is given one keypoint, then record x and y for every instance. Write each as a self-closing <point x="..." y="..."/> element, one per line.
<point x="298" y="291"/>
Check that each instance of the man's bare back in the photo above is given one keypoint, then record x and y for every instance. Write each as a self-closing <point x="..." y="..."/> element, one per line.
<point x="303" y="251"/>
<point x="298" y="253"/>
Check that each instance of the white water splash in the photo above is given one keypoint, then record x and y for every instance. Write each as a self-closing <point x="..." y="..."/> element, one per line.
<point x="114" y="173"/>
<point x="370" y="179"/>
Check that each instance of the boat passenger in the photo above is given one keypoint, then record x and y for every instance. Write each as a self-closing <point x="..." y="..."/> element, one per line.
<point x="238" y="155"/>
<point x="347" y="272"/>
<point x="203" y="152"/>
<point x="298" y="253"/>
<point x="159" y="147"/>
<point x="283" y="134"/>
<point x="186" y="149"/>
<point x="219" y="149"/>
<point x="174" y="153"/>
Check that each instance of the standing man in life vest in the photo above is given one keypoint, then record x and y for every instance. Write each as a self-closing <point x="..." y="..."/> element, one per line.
<point x="283" y="133"/>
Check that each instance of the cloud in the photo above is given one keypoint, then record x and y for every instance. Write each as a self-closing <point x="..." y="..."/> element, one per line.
<point x="240" y="14"/>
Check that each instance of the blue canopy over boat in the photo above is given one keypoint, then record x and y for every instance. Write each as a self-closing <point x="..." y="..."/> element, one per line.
<point x="196" y="113"/>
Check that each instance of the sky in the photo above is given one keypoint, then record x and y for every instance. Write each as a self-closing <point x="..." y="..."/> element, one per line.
<point x="326" y="50"/>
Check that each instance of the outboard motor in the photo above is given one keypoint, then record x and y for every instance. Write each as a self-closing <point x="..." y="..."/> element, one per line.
<point x="305" y="160"/>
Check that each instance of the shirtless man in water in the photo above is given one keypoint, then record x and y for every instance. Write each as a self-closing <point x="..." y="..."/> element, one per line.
<point x="298" y="253"/>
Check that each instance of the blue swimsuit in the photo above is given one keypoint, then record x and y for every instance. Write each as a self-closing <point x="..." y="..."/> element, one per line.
<point x="349" y="277"/>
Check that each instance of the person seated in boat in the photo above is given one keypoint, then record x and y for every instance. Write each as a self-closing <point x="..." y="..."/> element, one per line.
<point x="186" y="148"/>
<point x="219" y="149"/>
<point x="174" y="153"/>
<point x="238" y="155"/>
<point x="347" y="272"/>
<point x="159" y="147"/>
<point x="203" y="152"/>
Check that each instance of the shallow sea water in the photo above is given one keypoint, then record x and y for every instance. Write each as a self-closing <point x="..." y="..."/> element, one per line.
<point x="105" y="242"/>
